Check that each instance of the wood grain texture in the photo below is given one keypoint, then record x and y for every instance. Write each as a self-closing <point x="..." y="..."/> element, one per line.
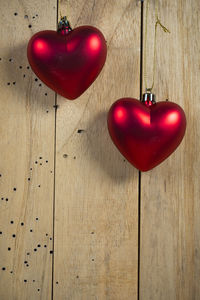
<point x="96" y="224"/>
<point x="96" y="190"/>
<point x="27" y="156"/>
<point x="170" y="220"/>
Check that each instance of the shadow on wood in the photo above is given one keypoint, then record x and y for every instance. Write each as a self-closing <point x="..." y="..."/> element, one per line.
<point x="20" y="76"/>
<point x="104" y="153"/>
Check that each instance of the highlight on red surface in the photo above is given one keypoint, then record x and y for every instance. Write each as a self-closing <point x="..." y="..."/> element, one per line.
<point x="172" y="118"/>
<point x="120" y="114"/>
<point x="142" y="116"/>
<point x="94" y="42"/>
<point x="71" y="45"/>
<point x="40" y="47"/>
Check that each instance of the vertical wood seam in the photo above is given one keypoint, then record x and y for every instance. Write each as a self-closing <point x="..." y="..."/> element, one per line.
<point x="139" y="174"/>
<point x="54" y="182"/>
<point x="54" y="192"/>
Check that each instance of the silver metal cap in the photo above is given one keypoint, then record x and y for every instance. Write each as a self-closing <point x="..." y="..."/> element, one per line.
<point x="149" y="97"/>
<point x="64" y="25"/>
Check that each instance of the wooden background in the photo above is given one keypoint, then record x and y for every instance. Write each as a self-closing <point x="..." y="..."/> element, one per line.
<point x="77" y="221"/>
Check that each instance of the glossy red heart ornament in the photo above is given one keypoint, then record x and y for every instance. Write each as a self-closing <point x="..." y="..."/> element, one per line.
<point x="146" y="133"/>
<point x="68" y="61"/>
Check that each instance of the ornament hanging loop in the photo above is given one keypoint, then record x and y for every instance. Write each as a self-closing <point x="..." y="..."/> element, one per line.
<point x="158" y="22"/>
<point x="148" y="90"/>
<point x="59" y="4"/>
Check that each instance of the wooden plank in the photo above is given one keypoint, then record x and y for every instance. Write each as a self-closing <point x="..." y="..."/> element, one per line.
<point x="96" y="225"/>
<point x="27" y="137"/>
<point x="170" y="236"/>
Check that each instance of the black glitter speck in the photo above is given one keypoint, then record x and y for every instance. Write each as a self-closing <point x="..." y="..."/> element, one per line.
<point x="80" y="130"/>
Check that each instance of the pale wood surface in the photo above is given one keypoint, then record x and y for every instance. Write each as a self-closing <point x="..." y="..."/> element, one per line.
<point x="170" y="205"/>
<point x="96" y="227"/>
<point x="27" y="133"/>
<point x="96" y="190"/>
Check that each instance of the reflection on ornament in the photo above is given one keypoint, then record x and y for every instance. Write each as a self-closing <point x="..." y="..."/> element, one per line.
<point x="94" y="42"/>
<point x="41" y="47"/>
<point x="143" y="116"/>
<point x="172" y="118"/>
<point x="120" y="114"/>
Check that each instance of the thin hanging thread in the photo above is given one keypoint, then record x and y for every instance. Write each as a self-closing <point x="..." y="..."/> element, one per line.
<point x="59" y="7"/>
<point x="158" y="22"/>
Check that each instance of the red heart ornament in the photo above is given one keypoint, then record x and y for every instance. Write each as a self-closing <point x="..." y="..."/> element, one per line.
<point x="146" y="133"/>
<point x="68" y="61"/>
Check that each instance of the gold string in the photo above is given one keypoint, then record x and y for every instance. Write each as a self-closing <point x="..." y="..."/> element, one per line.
<point x="59" y="7"/>
<point x="158" y="22"/>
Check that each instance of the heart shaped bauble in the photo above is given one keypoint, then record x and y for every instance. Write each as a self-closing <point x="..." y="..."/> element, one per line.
<point x="67" y="60"/>
<point x="146" y="133"/>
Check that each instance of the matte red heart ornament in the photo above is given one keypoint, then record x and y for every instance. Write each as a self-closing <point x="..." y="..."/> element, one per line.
<point x="66" y="60"/>
<point x="146" y="133"/>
